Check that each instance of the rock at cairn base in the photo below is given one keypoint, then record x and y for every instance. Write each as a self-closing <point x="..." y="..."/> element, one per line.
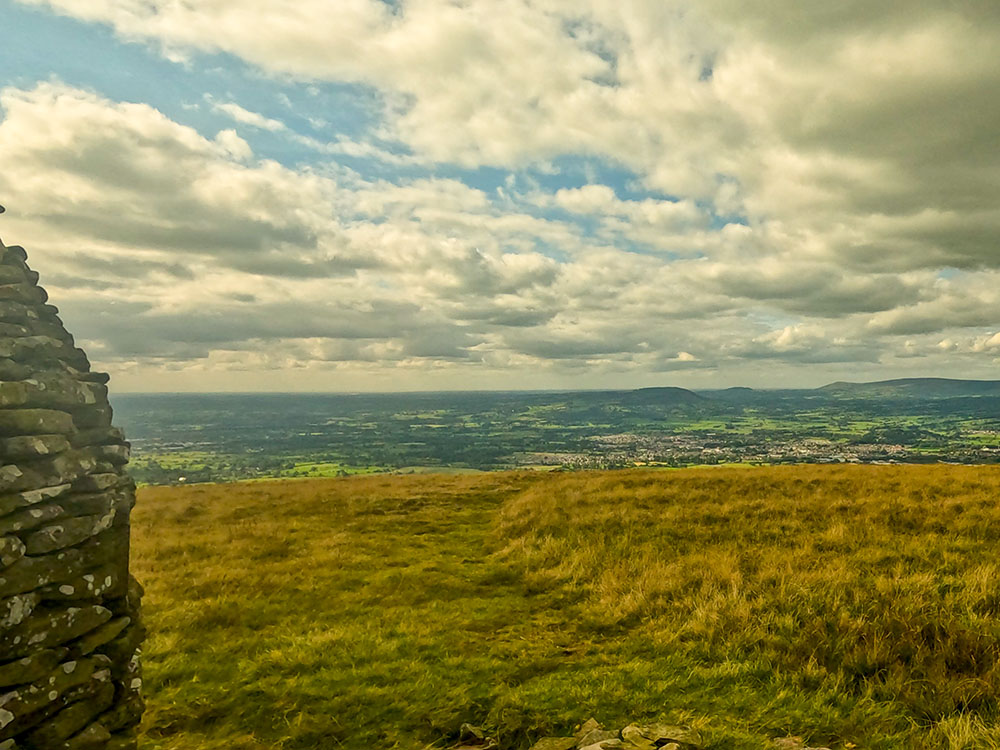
<point x="593" y="736"/>
<point x="69" y="611"/>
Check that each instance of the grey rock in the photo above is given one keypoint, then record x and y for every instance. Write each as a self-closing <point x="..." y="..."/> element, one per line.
<point x="469" y="733"/>
<point x="555" y="743"/>
<point x="51" y="390"/>
<point x="16" y="609"/>
<point x="31" y="667"/>
<point x="125" y="714"/>
<point x="11" y="311"/>
<point x="101" y="378"/>
<point x="31" y="573"/>
<point x="661" y="734"/>
<point x="124" y="648"/>
<point x="68" y="466"/>
<point x="122" y="742"/>
<point x="794" y="743"/>
<point x="14" y="422"/>
<point x="94" y="737"/>
<point x="10" y="503"/>
<point x="11" y="550"/>
<point x="13" y="394"/>
<point x="14" y="254"/>
<point x="19" y="708"/>
<point x="10" y="476"/>
<point x="98" y="482"/>
<point x="35" y="349"/>
<point x="13" y="329"/>
<point x="11" y="275"/>
<point x="70" y="720"/>
<point x="49" y="327"/>
<point x="98" y="436"/>
<point x="105" y="634"/>
<point x="108" y="547"/>
<point x="113" y="455"/>
<point x="95" y="584"/>
<point x="93" y="417"/>
<point x="61" y="469"/>
<point x="588" y="726"/>
<point x="30" y="518"/>
<point x="66" y="533"/>
<point x="25" y="293"/>
<point x="90" y="503"/>
<point x="44" y="630"/>
<point x="597" y="735"/>
<point x="33" y="446"/>
<point x="11" y="370"/>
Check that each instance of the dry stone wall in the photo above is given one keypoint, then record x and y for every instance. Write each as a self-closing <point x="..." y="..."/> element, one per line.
<point x="69" y="610"/>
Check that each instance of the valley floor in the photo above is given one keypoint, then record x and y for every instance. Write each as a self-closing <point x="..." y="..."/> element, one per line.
<point x="854" y="605"/>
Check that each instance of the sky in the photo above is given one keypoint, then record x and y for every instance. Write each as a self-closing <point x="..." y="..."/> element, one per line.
<point x="391" y="195"/>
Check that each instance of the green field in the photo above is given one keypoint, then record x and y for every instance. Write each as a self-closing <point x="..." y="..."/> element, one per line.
<point x="855" y="606"/>
<point x="185" y="439"/>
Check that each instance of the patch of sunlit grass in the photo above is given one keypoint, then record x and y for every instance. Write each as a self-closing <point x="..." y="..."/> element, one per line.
<point x="848" y="604"/>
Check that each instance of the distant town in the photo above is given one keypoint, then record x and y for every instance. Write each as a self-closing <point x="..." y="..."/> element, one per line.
<point x="223" y="437"/>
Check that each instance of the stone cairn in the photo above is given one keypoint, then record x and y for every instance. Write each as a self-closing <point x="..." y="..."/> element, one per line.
<point x="69" y="625"/>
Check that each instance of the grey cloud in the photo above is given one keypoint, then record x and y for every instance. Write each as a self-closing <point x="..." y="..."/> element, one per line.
<point x="820" y="354"/>
<point x="139" y="330"/>
<point x="940" y="315"/>
<point x="191" y="229"/>
<point x="91" y="268"/>
<point x="566" y="346"/>
<point x="805" y="345"/>
<point x="802" y="23"/>
<point x="444" y="343"/>
<point x="817" y="290"/>
<point x="507" y="317"/>
<point x="673" y="364"/>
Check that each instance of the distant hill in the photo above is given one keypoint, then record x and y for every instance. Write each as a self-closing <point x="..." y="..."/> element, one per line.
<point x="916" y="388"/>
<point x="665" y="396"/>
<point x="739" y="394"/>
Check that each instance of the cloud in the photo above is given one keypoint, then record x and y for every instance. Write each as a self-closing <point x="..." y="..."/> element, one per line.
<point x="859" y="136"/>
<point x="808" y="344"/>
<point x="246" y="117"/>
<point x="125" y="173"/>
<point x="806" y="184"/>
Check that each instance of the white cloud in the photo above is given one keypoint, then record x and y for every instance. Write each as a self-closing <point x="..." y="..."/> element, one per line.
<point x="823" y="164"/>
<point x="246" y="117"/>
<point x="235" y="146"/>
<point x="854" y="135"/>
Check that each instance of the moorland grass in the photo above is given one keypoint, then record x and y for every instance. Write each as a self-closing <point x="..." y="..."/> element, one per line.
<point x="856" y="606"/>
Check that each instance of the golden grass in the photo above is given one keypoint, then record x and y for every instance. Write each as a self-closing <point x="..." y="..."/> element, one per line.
<point x="854" y="605"/>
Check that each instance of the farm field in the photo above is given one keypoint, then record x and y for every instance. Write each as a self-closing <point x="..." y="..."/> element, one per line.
<point x="855" y="606"/>
<point x="188" y="438"/>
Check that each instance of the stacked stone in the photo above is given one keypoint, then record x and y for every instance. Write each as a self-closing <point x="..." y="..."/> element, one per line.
<point x="69" y="626"/>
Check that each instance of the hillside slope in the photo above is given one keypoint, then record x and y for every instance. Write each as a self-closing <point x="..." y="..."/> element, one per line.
<point x="856" y="606"/>
<point x="916" y="388"/>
